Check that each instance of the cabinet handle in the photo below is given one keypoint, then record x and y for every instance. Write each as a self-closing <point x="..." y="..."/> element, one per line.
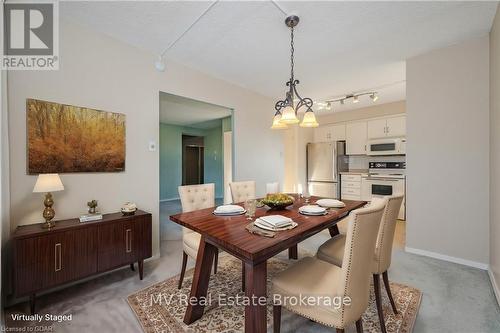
<point x="128" y="240"/>
<point x="57" y="257"/>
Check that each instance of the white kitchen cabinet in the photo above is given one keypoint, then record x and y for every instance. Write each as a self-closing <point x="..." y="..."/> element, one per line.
<point x="396" y="126"/>
<point x="351" y="187"/>
<point x="329" y="133"/>
<point x="377" y="128"/>
<point x="387" y="127"/>
<point x="356" y="134"/>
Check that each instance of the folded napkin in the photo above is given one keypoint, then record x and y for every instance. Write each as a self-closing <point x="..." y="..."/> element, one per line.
<point x="276" y="221"/>
<point x="253" y="229"/>
<point x="228" y="209"/>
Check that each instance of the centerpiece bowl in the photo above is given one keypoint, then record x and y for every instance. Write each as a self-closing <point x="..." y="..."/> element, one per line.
<point x="278" y="201"/>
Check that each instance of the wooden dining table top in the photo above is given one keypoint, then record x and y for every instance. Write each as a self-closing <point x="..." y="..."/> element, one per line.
<point x="229" y="233"/>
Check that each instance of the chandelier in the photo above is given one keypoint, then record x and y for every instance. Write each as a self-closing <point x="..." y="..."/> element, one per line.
<point x="286" y="110"/>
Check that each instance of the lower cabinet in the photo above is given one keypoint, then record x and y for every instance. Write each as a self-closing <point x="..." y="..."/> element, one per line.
<point x="44" y="259"/>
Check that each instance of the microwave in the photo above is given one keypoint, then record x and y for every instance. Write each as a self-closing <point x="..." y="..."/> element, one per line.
<point x="388" y="146"/>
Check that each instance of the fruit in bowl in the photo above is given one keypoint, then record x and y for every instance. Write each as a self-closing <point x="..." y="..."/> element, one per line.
<point x="278" y="200"/>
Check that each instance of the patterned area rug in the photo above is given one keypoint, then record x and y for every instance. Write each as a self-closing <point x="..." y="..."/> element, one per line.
<point x="161" y="307"/>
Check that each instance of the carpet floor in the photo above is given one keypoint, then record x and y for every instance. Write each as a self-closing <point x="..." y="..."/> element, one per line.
<point x="161" y="306"/>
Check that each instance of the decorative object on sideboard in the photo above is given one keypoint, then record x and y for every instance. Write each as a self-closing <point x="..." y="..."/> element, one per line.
<point x="128" y="208"/>
<point x="48" y="183"/>
<point x="92" y="204"/>
<point x="64" y="138"/>
<point x="286" y="110"/>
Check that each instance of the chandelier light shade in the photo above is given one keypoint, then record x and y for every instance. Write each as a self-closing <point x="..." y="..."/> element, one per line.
<point x="288" y="108"/>
<point x="277" y="124"/>
<point x="309" y="119"/>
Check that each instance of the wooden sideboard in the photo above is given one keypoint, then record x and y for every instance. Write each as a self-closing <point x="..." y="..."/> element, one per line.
<point x="73" y="250"/>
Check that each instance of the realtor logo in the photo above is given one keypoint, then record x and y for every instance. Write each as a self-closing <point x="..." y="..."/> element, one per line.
<point x="30" y="36"/>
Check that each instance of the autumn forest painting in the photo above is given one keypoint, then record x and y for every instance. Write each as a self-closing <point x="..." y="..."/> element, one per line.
<point x="65" y="138"/>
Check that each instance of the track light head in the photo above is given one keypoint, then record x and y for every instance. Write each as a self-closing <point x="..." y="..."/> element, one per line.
<point x="160" y="64"/>
<point x="374" y="97"/>
<point x="355" y="99"/>
<point x="329" y="106"/>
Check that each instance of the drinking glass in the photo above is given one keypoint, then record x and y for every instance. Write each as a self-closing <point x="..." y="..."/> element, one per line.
<point x="250" y="206"/>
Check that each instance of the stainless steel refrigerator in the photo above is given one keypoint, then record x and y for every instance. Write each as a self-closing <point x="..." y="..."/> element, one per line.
<point x="325" y="161"/>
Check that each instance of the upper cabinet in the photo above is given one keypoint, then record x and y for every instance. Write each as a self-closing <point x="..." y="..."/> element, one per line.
<point x="330" y="133"/>
<point x="387" y="127"/>
<point x="356" y="138"/>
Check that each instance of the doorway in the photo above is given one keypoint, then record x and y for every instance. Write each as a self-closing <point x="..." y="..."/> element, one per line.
<point x="192" y="160"/>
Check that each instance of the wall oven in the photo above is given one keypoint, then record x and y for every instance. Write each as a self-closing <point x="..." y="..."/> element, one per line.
<point x="389" y="146"/>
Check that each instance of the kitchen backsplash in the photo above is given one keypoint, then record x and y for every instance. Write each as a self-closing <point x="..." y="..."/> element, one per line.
<point x="361" y="161"/>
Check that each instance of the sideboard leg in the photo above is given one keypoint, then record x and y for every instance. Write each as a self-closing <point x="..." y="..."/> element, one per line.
<point x="32" y="304"/>
<point x="132" y="267"/>
<point x="141" y="268"/>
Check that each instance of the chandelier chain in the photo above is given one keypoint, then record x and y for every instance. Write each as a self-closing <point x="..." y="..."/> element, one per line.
<point x="292" y="49"/>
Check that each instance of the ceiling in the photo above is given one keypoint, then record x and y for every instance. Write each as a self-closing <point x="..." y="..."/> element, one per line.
<point x="341" y="47"/>
<point x="177" y="110"/>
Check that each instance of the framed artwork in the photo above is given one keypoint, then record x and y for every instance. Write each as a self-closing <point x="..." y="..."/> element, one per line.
<point x="65" y="138"/>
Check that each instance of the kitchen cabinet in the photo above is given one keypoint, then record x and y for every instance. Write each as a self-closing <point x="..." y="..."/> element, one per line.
<point x="350" y="188"/>
<point x="356" y="134"/>
<point x="330" y="133"/>
<point x="387" y="127"/>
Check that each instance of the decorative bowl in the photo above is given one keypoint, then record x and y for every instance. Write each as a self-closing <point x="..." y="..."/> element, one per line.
<point x="128" y="212"/>
<point x="278" y="201"/>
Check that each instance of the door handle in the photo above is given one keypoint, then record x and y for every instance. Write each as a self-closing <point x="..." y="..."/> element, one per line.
<point x="128" y="240"/>
<point x="57" y="257"/>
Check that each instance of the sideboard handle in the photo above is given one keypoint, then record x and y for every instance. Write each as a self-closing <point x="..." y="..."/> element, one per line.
<point x="128" y="240"/>
<point x="57" y="257"/>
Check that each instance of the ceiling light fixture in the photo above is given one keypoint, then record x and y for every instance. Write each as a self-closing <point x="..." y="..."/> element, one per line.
<point x="286" y="110"/>
<point x="160" y="64"/>
<point x="355" y="97"/>
<point x="374" y="97"/>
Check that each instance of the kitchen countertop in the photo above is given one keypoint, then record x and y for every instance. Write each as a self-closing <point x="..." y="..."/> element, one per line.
<point x="355" y="172"/>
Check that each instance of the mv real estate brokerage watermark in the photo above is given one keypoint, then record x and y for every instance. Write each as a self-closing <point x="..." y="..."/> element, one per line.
<point x="30" y="33"/>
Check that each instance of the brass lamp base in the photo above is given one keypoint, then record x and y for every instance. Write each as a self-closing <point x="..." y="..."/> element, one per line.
<point x="48" y="212"/>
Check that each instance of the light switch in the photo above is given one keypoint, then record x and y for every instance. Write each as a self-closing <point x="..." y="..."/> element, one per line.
<point x="152" y="145"/>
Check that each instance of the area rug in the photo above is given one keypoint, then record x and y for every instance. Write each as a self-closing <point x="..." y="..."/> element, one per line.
<point x="161" y="307"/>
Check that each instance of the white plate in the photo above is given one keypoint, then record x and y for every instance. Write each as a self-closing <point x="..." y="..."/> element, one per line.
<point x="265" y="227"/>
<point x="330" y="203"/>
<point x="312" y="209"/>
<point x="226" y="209"/>
<point x="313" y="214"/>
<point x="229" y="214"/>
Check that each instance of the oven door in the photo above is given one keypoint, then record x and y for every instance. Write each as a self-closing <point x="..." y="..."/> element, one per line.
<point x="373" y="187"/>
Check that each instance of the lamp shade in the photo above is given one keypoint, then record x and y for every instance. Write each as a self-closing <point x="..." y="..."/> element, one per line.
<point x="288" y="116"/>
<point x="309" y="119"/>
<point x="48" y="182"/>
<point x="277" y="124"/>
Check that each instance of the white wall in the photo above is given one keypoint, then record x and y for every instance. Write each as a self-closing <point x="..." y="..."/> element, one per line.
<point x="295" y="140"/>
<point x="448" y="152"/>
<point x="495" y="154"/>
<point x="99" y="72"/>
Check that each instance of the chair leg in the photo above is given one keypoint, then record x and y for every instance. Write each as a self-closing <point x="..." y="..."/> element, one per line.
<point x="378" y="300"/>
<point x="216" y="260"/>
<point x="339" y="330"/>
<point x="242" y="276"/>
<point x="389" y="293"/>
<point x="276" y="318"/>
<point x="359" y="325"/>
<point x="183" y="269"/>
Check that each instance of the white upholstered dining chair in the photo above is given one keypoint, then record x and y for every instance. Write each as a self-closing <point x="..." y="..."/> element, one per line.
<point x="194" y="197"/>
<point x="328" y="283"/>
<point x="242" y="191"/>
<point x="332" y="251"/>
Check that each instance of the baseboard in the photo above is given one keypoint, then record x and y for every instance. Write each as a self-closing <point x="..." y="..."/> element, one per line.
<point x="170" y="199"/>
<point x="494" y="284"/>
<point x="444" y="257"/>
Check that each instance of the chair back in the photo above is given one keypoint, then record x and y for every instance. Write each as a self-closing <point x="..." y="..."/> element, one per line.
<point x="385" y="237"/>
<point x="194" y="197"/>
<point x="241" y="191"/>
<point x="359" y="250"/>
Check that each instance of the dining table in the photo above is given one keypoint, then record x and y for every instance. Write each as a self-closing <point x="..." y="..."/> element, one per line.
<point x="228" y="233"/>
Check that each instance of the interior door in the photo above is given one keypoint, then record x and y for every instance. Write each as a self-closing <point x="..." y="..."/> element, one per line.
<point x="321" y="163"/>
<point x="193" y="165"/>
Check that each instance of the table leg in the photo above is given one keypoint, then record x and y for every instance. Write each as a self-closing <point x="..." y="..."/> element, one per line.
<point x="199" y="286"/>
<point x="293" y="252"/>
<point x="255" y="290"/>
<point x="334" y="231"/>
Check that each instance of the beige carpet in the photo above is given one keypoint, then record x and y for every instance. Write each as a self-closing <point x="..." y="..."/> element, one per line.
<point x="161" y="307"/>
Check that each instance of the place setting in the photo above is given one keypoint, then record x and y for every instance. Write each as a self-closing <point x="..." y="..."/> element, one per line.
<point x="321" y="207"/>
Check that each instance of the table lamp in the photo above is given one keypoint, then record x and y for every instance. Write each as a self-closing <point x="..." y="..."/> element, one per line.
<point x="49" y="182"/>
